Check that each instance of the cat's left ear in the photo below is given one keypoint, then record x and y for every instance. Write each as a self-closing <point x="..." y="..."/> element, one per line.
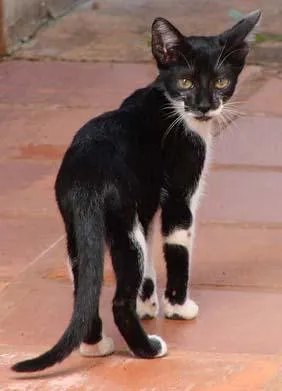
<point x="243" y="31"/>
<point x="166" y="40"/>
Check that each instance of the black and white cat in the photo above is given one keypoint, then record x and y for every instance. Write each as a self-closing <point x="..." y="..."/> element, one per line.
<point x="124" y="165"/>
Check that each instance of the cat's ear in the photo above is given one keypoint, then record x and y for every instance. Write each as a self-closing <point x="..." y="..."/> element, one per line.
<point x="166" y="40"/>
<point x="243" y="31"/>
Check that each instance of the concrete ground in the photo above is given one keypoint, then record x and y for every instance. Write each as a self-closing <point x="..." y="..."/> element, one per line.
<point x="235" y="344"/>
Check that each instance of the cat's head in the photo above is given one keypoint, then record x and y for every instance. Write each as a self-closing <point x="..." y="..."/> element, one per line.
<point x="199" y="74"/>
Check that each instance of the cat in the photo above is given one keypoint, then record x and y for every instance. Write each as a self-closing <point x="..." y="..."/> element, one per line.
<point x="121" y="167"/>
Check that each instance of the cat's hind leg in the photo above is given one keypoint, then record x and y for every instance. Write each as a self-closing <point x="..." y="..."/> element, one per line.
<point x="147" y="305"/>
<point x="128" y="250"/>
<point x="96" y="342"/>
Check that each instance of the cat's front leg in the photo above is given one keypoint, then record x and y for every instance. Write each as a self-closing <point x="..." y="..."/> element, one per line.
<point x="178" y="233"/>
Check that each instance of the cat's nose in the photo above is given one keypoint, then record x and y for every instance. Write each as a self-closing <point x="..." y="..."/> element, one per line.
<point x="204" y="107"/>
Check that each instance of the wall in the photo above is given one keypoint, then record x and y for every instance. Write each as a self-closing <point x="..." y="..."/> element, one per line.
<point x="21" y="19"/>
<point x="2" y="39"/>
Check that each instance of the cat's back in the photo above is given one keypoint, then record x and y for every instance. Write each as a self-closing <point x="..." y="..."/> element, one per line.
<point x="136" y="113"/>
<point x="117" y="139"/>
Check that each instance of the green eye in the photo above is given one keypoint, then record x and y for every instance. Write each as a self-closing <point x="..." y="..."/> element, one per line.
<point x="222" y="83"/>
<point x="185" y="84"/>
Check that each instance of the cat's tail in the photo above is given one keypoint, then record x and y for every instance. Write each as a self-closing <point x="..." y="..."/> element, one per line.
<point x="90" y="244"/>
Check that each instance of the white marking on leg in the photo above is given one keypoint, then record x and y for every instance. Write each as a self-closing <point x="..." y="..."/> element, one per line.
<point x="188" y="310"/>
<point x="149" y="271"/>
<point x="103" y="348"/>
<point x="181" y="237"/>
<point x="139" y="238"/>
<point x="150" y="306"/>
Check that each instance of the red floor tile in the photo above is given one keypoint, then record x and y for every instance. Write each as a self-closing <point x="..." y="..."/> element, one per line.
<point x="235" y="344"/>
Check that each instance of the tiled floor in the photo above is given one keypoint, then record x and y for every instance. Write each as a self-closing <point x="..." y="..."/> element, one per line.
<point x="235" y="344"/>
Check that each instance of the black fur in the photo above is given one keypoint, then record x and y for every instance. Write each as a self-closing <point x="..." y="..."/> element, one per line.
<point x="121" y="166"/>
<point x="177" y="264"/>
<point x="147" y="289"/>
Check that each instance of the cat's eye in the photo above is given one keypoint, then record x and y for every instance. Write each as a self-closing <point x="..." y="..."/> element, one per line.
<point x="222" y="83"/>
<point x="185" y="84"/>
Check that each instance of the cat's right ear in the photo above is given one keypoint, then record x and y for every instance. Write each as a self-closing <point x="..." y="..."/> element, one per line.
<point x="166" y="40"/>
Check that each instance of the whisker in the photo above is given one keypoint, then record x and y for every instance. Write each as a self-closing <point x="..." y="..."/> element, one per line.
<point x="227" y="55"/>
<point x="217" y="131"/>
<point x="189" y="66"/>
<point x="168" y="106"/>
<point x="176" y="122"/>
<point x="169" y="129"/>
<point x="171" y="115"/>
<point x="229" y="115"/>
<point x="224" y="120"/>
<point x="220" y="54"/>
<point x="221" y="122"/>
<point x="235" y="106"/>
<point x="235" y="112"/>
<point x="169" y="110"/>
<point x="230" y="120"/>
<point x="233" y="109"/>
<point x="235" y="102"/>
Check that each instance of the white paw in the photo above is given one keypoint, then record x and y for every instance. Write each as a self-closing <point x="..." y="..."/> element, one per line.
<point x="148" y="308"/>
<point x="103" y="348"/>
<point x="188" y="310"/>
<point x="163" y="350"/>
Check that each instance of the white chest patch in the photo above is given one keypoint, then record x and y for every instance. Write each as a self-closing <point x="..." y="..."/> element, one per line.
<point x="204" y="129"/>
<point x="201" y="185"/>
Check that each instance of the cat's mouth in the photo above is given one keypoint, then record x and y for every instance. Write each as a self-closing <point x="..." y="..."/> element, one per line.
<point x="203" y="118"/>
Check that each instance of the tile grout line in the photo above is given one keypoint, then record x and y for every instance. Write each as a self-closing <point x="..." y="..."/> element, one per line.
<point x="241" y="224"/>
<point x="39" y="256"/>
